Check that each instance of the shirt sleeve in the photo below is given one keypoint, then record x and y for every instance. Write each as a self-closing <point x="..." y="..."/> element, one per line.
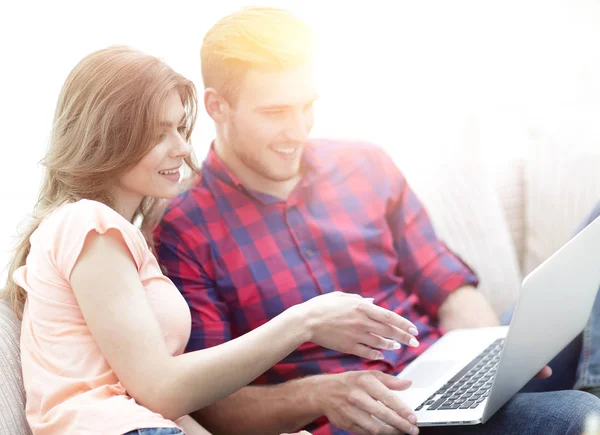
<point x="431" y="271"/>
<point x="71" y="225"/>
<point x="184" y="254"/>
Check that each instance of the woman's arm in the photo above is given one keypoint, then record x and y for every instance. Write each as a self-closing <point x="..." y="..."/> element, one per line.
<point x="191" y="426"/>
<point x="113" y="302"/>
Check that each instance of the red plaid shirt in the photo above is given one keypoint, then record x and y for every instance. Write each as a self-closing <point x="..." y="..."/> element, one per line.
<point x="352" y="224"/>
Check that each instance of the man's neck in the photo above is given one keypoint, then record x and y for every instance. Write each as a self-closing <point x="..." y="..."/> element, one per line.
<point x="250" y="179"/>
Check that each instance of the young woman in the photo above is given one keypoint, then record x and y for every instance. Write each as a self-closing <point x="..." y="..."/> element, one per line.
<point x="104" y="331"/>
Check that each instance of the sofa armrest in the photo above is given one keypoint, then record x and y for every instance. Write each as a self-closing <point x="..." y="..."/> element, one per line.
<point x="12" y="396"/>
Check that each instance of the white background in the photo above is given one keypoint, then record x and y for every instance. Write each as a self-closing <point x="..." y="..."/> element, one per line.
<point x="421" y="78"/>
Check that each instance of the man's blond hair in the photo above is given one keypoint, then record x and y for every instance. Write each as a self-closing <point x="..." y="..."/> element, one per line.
<point x="268" y="39"/>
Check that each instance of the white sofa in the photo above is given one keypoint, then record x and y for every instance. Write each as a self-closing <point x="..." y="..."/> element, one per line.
<point x="503" y="217"/>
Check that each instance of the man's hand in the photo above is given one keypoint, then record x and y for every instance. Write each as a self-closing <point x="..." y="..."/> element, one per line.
<point x="466" y="308"/>
<point x="350" y="401"/>
<point x="546" y="372"/>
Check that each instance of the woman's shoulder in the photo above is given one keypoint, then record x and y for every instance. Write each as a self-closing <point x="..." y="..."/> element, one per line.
<point x="74" y="220"/>
<point x="64" y="231"/>
<point x="84" y="214"/>
<point x="84" y="208"/>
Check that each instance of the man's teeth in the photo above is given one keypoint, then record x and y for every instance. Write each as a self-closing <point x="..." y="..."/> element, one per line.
<point x="171" y="172"/>
<point x="285" y="150"/>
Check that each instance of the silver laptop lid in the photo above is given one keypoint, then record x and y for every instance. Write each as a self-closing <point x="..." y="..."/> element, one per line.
<point x="554" y="305"/>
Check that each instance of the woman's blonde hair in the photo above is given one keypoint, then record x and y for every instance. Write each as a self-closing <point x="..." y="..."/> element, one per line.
<point x="106" y="121"/>
<point x="268" y="39"/>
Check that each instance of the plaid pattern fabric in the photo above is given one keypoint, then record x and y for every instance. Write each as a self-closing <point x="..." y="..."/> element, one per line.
<point x="352" y="224"/>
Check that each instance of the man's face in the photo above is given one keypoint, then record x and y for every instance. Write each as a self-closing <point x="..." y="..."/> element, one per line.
<point x="270" y="120"/>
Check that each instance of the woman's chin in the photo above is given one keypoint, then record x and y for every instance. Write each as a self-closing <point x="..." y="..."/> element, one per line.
<point x="165" y="194"/>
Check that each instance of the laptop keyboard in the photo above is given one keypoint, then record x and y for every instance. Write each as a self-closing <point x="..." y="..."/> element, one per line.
<point x="469" y="387"/>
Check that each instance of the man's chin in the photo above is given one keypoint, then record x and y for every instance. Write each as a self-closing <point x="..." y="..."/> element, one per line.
<point x="282" y="178"/>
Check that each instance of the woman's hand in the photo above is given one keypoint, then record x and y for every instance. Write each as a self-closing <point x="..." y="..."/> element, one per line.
<point x="351" y="324"/>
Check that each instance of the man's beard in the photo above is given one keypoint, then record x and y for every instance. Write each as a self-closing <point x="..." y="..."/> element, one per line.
<point x="262" y="169"/>
<point x="254" y="163"/>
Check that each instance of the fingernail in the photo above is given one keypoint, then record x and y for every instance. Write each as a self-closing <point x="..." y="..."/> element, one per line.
<point x="396" y="345"/>
<point x="413" y="331"/>
<point x="412" y="418"/>
<point x="413" y="342"/>
<point x="414" y="430"/>
<point x="379" y="356"/>
<point x="369" y="300"/>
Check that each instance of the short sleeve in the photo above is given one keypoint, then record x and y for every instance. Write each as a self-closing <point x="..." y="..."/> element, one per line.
<point x="65" y="232"/>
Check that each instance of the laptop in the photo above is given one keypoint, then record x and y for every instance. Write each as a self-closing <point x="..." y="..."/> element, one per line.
<point x="468" y="374"/>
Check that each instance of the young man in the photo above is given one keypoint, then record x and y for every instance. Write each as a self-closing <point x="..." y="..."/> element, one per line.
<point x="276" y="219"/>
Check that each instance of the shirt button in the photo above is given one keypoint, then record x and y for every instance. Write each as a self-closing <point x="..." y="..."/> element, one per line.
<point x="309" y="253"/>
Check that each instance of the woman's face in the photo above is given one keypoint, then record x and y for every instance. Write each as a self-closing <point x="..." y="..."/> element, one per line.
<point x="157" y="174"/>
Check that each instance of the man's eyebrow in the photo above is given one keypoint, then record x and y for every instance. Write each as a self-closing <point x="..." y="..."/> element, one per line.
<point x="169" y="123"/>
<point x="284" y="106"/>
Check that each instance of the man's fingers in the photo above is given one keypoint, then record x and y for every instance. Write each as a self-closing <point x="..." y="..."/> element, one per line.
<point x="363" y="423"/>
<point x="379" y="410"/>
<point x="546" y="372"/>
<point x="393" y="382"/>
<point x="380" y="392"/>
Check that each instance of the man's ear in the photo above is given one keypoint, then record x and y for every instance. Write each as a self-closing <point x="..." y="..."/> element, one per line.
<point x="215" y="105"/>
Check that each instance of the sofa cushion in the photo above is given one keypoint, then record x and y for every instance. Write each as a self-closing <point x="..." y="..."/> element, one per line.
<point x="467" y="214"/>
<point x="504" y="138"/>
<point x="562" y="185"/>
<point x="509" y="181"/>
<point x="12" y="397"/>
